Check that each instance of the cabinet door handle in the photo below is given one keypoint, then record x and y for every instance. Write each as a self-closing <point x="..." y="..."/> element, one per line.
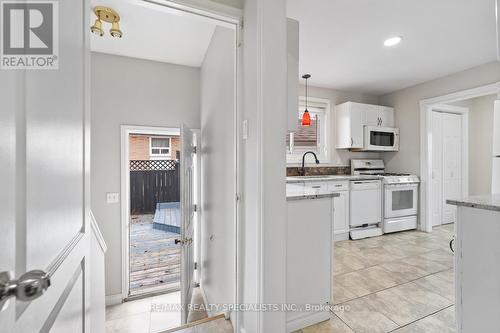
<point x="352" y="142"/>
<point x="452" y="242"/>
<point x="318" y="186"/>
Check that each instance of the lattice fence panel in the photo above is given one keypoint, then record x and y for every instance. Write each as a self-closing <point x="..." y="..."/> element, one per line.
<point x="144" y="165"/>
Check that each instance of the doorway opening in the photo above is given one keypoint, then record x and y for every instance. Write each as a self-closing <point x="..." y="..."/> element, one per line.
<point x="456" y="150"/>
<point x="177" y="93"/>
<point x="154" y="212"/>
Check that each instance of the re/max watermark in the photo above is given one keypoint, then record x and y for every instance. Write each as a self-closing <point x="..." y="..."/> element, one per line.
<point x="264" y="307"/>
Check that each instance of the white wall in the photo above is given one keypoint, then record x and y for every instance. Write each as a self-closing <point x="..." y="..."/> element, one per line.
<point x="218" y="168"/>
<point x="263" y="226"/>
<point x="407" y="114"/>
<point x="128" y="91"/>
<point x="481" y="144"/>
<point x="340" y="157"/>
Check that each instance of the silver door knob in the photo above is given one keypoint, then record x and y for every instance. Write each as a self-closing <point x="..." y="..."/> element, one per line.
<point x="28" y="287"/>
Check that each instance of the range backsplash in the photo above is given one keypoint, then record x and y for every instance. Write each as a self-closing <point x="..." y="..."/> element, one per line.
<point x="319" y="171"/>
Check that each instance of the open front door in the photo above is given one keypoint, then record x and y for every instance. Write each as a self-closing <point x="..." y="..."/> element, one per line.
<point x="188" y="151"/>
<point x="44" y="228"/>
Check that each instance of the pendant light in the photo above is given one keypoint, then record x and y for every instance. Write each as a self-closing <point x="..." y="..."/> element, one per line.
<point x="306" y="117"/>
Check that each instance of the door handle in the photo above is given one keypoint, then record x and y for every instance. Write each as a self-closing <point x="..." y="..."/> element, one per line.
<point x="452" y="245"/>
<point x="183" y="241"/>
<point x="27" y="288"/>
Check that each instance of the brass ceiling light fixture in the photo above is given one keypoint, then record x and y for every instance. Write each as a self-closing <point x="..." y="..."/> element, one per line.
<point x="108" y="15"/>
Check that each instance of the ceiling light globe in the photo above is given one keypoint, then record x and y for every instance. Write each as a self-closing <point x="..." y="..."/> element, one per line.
<point x="393" y="41"/>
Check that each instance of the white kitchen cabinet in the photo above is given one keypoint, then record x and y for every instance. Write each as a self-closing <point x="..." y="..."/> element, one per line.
<point x="309" y="259"/>
<point x="387" y="116"/>
<point x="477" y="272"/>
<point x="376" y="115"/>
<point x="353" y="117"/>
<point x="292" y="74"/>
<point x="341" y="216"/>
<point x="350" y="119"/>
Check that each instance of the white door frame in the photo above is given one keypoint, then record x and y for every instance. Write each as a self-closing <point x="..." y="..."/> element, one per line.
<point x="126" y="130"/>
<point x="426" y="108"/>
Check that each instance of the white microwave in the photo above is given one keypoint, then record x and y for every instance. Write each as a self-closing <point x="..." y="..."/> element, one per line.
<point x="381" y="138"/>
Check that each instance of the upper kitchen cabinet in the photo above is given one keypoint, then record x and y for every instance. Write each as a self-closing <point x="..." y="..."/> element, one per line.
<point x="376" y="115"/>
<point x="353" y="117"/>
<point x="292" y="73"/>
<point x="350" y="118"/>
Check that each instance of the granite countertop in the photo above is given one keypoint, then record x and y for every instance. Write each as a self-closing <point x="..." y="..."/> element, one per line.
<point x="298" y="179"/>
<point x="486" y="202"/>
<point x="301" y="192"/>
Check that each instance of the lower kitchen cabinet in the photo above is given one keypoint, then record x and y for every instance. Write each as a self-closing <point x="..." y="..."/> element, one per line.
<point x="341" y="216"/>
<point x="309" y="261"/>
<point x="477" y="269"/>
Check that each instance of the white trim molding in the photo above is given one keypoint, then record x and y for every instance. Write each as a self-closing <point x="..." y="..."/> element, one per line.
<point x="114" y="299"/>
<point x="440" y="103"/>
<point x="97" y="233"/>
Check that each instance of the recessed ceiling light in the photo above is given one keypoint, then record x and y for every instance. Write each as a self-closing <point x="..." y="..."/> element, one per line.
<point x="393" y="41"/>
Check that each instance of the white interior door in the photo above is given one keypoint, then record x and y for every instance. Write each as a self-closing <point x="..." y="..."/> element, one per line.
<point x="188" y="215"/>
<point x="437" y="168"/>
<point x="45" y="188"/>
<point x="452" y="164"/>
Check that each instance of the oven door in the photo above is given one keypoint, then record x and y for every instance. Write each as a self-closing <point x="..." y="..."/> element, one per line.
<point x="401" y="200"/>
<point x="381" y="139"/>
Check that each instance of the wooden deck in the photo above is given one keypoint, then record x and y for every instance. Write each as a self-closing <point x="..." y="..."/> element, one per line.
<point x="154" y="258"/>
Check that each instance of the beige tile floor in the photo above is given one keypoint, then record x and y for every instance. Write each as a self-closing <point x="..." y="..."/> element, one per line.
<point x="401" y="283"/>
<point x="154" y="315"/>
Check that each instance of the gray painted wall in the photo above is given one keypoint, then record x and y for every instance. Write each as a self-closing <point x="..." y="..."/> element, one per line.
<point x="217" y="168"/>
<point x="128" y="91"/>
<point x="406" y="103"/>
<point x="481" y="144"/>
<point x="340" y="157"/>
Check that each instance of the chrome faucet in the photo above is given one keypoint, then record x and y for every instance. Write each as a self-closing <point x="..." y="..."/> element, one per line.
<point x="303" y="170"/>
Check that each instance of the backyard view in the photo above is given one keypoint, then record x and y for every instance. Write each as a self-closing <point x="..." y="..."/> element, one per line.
<point x="154" y="214"/>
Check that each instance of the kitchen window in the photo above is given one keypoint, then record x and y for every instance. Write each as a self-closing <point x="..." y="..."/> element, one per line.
<point x="159" y="147"/>
<point x="310" y="138"/>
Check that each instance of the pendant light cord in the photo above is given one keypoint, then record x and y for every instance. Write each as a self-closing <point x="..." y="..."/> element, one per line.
<point x="306" y="95"/>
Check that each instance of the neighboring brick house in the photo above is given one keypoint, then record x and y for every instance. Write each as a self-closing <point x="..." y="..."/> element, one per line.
<point x="147" y="147"/>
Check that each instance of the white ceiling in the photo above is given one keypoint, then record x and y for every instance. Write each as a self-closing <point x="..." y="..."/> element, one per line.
<point x="155" y="33"/>
<point x="341" y="41"/>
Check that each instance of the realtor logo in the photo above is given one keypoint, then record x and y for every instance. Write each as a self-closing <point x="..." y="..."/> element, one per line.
<point x="30" y="35"/>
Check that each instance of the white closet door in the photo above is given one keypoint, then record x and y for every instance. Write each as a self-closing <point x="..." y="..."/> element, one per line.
<point x="437" y="168"/>
<point x="452" y="163"/>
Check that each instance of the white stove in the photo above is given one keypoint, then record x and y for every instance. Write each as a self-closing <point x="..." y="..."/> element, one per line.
<point x="400" y="195"/>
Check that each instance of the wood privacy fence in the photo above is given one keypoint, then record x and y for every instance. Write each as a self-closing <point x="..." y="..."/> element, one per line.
<point x="152" y="182"/>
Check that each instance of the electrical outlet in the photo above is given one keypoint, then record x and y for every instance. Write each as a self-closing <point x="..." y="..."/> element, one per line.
<point x="112" y="198"/>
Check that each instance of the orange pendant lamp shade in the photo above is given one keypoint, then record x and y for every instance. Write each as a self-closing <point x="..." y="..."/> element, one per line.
<point x="306" y="116"/>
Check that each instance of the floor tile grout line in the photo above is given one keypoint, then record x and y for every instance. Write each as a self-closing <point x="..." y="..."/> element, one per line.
<point x="386" y="262"/>
<point x="431" y="314"/>
<point x="397" y="285"/>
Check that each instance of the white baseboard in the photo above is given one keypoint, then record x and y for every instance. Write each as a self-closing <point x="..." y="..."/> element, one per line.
<point x="307" y="319"/>
<point x="341" y="237"/>
<point x="114" y="299"/>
